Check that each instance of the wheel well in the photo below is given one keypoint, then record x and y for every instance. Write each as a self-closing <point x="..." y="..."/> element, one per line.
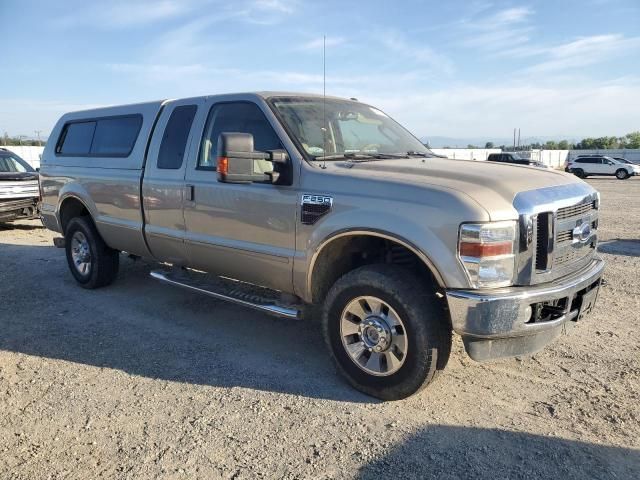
<point x="347" y="253"/>
<point x="71" y="208"/>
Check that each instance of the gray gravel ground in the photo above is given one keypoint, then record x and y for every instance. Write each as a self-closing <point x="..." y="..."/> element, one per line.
<point x="140" y="380"/>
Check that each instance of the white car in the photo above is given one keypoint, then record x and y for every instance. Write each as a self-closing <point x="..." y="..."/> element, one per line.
<point x="585" y="166"/>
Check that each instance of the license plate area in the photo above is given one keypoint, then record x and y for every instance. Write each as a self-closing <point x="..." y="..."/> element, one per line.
<point x="586" y="300"/>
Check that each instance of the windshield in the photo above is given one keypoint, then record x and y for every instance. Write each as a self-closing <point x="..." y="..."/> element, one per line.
<point x="350" y="128"/>
<point x="13" y="164"/>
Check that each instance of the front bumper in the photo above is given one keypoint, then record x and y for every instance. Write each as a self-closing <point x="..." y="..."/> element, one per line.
<point x="14" y="209"/>
<point x="499" y="323"/>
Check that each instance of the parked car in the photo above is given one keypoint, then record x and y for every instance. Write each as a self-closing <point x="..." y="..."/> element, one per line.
<point x="584" y="166"/>
<point x="624" y="160"/>
<point x="19" y="194"/>
<point x="514" y="159"/>
<point x="327" y="205"/>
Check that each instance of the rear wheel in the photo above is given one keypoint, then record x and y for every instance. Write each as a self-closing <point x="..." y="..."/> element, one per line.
<point x="622" y="174"/>
<point x="386" y="331"/>
<point x="92" y="263"/>
<point x="578" y="172"/>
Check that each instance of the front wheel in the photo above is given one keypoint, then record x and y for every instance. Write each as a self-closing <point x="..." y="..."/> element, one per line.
<point x="92" y="263"/>
<point x="386" y="330"/>
<point x="622" y="174"/>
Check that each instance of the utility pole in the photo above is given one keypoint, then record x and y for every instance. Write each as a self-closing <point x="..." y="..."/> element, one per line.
<point x="37" y="132"/>
<point x="514" y="139"/>
<point x="518" y="138"/>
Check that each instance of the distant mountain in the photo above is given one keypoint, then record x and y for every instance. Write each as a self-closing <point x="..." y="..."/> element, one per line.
<point x="462" y="142"/>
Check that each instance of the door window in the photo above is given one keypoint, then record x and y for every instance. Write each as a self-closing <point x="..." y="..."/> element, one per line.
<point x="176" y="134"/>
<point x="241" y="117"/>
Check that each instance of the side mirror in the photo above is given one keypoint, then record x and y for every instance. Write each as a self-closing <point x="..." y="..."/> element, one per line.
<point x="237" y="157"/>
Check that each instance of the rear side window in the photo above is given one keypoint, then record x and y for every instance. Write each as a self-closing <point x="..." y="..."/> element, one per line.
<point x="76" y="138"/>
<point x="101" y="137"/>
<point x="174" y="140"/>
<point x="116" y="137"/>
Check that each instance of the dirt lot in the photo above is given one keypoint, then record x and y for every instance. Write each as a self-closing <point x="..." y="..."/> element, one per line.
<point x="140" y="380"/>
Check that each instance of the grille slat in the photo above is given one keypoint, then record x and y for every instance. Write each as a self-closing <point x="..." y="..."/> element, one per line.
<point x="575" y="210"/>
<point x="572" y="255"/>
<point x="566" y="236"/>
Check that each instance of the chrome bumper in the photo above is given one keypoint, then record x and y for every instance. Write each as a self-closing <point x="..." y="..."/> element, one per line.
<point x="497" y="323"/>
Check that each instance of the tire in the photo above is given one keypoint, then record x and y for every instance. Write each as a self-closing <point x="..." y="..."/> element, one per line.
<point x="622" y="174"/>
<point x="85" y="248"/>
<point x="578" y="172"/>
<point x="425" y="331"/>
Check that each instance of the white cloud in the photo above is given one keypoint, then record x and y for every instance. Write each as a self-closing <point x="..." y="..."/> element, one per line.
<point x="123" y="14"/>
<point x="278" y="6"/>
<point x="23" y="116"/>
<point x="510" y="16"/>
<point x="458" y="110"/>
<point x="397" y="44"/>
<point x="318" y="43"/>
<point x="585" y="51"/>
<point x="568" y="109"/>
<point x="499" y="30"/>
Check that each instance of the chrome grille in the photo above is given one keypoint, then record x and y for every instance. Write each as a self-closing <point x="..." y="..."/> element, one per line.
<point x="575" y="210"/>
<point x="557" y="251"/>
<point x="544" y="256"/>
<point x="572" y="255"/>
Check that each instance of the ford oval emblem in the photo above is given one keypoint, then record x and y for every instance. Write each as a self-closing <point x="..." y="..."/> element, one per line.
<point x="582" y="232"/>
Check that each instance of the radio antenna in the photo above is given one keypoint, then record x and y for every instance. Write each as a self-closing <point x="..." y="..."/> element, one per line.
<point x="324" y="99"/>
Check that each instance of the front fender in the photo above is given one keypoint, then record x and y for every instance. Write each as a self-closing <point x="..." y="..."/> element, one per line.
<point x="435" y="244"/>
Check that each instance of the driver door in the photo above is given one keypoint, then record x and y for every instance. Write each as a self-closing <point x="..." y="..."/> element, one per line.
<point x="242" y="231"/>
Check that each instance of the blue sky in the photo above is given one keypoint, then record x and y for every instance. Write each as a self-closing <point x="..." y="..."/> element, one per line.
<point x="449" y="68"/>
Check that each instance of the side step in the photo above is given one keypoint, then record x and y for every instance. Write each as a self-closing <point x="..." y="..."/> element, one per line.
<point x="222" y="290"/>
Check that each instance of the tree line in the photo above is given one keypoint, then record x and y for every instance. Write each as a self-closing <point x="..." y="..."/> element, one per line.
<point x="7" y="141"/>
<point x="630" y="140"/>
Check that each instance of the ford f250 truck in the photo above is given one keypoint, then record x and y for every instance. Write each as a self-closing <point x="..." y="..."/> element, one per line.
<point x="293" y="203"/>
<point x="19" y="193"/>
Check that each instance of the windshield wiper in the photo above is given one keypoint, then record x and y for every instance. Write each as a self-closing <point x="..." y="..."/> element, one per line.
<point x="413" y="153"/>
<point x="354" y="157"/>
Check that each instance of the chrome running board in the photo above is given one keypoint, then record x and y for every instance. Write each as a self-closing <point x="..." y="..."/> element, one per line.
<point x="257" y="303"/>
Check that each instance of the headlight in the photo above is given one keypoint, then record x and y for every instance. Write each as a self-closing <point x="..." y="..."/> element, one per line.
<point x="487" y="252"/>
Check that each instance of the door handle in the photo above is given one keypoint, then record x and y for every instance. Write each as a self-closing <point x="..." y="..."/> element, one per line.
<point x="191" y="192"/>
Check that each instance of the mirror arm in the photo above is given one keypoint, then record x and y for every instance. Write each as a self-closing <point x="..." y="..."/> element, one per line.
<point x="278" y="156"/>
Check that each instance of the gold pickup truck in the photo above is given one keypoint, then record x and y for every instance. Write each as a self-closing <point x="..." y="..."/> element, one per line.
<point x="304" y="203"/>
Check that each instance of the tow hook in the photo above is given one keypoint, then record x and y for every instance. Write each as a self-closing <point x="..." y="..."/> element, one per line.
<point x="58" y="242"/>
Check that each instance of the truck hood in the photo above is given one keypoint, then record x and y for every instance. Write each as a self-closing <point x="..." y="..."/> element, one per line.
<point x="492" y="185"/>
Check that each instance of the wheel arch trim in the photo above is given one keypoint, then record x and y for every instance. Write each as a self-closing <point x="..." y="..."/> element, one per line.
<point x="373" y="233"/>
<point x="71" y="196"/>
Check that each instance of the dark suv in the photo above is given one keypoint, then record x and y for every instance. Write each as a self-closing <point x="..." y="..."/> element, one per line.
<point x="515" y="159"/>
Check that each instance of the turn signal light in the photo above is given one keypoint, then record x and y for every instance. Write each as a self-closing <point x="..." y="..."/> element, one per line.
<point x="223" y="165"/>
<point x="487" y="253"/>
